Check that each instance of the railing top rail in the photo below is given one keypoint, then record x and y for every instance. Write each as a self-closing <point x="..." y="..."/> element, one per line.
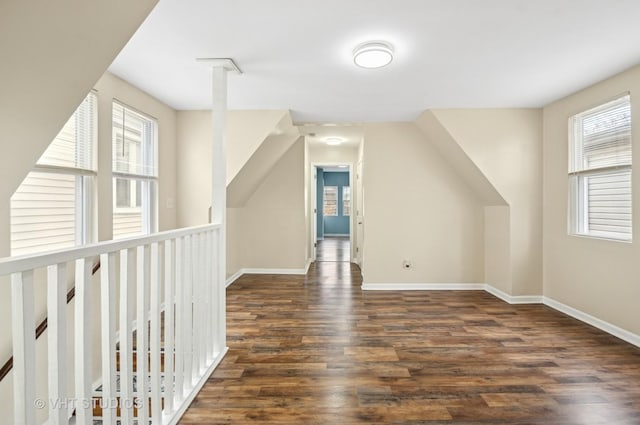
<point x="10" y="265"/>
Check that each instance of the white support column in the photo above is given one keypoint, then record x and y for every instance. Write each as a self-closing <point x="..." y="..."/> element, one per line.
<point x="219" y="157"/>
<point x="219" y="69"/>
<point x="219" y="196"/>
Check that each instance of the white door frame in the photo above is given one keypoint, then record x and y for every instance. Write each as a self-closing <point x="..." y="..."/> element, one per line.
<point x="314" y="199"/>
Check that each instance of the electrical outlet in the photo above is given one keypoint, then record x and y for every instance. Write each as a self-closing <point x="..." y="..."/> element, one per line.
<point x="406" y="264"/>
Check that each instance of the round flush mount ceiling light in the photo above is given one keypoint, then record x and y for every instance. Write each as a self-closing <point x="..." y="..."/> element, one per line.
<point x="373" y="54"/>
<point x="333" y="141"/>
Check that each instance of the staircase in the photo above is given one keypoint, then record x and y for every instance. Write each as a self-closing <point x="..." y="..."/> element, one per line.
<point x="99" y="401"/>
<point x="171" y="281"/>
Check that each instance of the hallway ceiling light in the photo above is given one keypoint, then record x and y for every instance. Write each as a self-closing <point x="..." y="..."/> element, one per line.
<point x="333" y="141"/>
<point x="373" y="54"/>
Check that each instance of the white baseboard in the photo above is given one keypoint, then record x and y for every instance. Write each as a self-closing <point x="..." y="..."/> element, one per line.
<point x="240" y="272"/>
<point x="614" y="330"/>
<point x="309" y="261"/>
<point x="422" y="286"/>
<point x="274" y="271"/>
<point x="233" y="277"/>
<point x="513" y="299"/>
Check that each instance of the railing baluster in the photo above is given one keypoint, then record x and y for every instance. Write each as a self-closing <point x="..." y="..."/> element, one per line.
<point x="83" y="343"/>
<point x="57" y="340"/>
<point x="108" y="331"/>
<point x="216" y="293"/>
<point x="197" y="303"/>
<point x="202" y="297"/>
<point x="24" y="350"/>
<point x="127" y="280"/>
<point x="180" y="313"/>
<point x="142" y="347"/>
<point x="168" y="325"/>
<point x="187" y="323"/>
<point x="208" y="290"/>
<point x="155" y="345"/>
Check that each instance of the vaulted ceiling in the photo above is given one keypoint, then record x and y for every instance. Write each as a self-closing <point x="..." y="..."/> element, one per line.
<point x="297" y="54"/>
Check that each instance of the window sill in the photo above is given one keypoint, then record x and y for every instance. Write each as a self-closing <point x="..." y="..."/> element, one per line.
<point x="600" y="238"/>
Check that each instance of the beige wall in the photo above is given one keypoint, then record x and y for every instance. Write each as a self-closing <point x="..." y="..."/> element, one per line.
<point x="246" y="131"/>
<point x="417" y="208"/>
<point x="506" y="146"/>
<point x="42" y="83"/>
<point x="595" y="276"/>
<point x="497" y="247"/>
<point x="270" y="230"/>
<point x="262" y="230"/>
<point x="193" y="162"/>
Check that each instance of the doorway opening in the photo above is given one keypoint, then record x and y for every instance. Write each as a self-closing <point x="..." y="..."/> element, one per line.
<point x="333" y="216"/>
<point x="334" y="248"/>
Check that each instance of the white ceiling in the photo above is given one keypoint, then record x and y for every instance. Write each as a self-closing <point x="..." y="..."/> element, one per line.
<point x="296" y="54"/>
<point x="317" y="134"/>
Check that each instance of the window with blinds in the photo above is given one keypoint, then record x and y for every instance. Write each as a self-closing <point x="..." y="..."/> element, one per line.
<point x="135" y="172"/>
<point x="51" y="209"/>
<point x="330" y="201"/>
<point x="600" y="160"/>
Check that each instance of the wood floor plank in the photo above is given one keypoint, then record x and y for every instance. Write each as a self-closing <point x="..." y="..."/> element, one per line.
<point x="316" y="349"/>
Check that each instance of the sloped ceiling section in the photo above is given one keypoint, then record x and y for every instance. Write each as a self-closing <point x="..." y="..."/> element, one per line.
<point x="253" y="172"/>
<point x="437" y="134"/>
<point x="63" y="49"/>
<point x="246" y="131"/>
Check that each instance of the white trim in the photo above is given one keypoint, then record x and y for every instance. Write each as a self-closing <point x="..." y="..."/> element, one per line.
<point x="274" y="271"/>
<point x="607" y="327"/>
<point x="513" y="299"/>
<point x="306" y="269"/>
<point x="177" y="415"/>
<point x="423" y="286"/>
<point x="338" y="235"/>
<point x="10" y="265"/>
<point x="241" y="272"/>
<point x="233" y="278"/>
<point x="614" y="330"/>
<point x="518" y="299"/>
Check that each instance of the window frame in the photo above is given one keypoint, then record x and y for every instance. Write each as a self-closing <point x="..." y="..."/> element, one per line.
<point x="346" y="212"/>
<point x="149" y="181"/>
<point x="578" y="220"/>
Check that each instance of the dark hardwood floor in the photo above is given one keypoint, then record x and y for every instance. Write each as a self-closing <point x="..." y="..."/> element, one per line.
<point x="316" y="349"/>
<point x="333" y="248"/>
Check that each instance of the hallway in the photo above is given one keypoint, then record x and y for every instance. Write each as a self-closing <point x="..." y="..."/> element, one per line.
<point x="334" y="248"/>
<point x="316" y="349"/>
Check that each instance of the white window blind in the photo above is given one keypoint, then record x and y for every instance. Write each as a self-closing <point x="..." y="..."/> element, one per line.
<point x="133" y="142"/>
<point x="135" y="170"/>
<point x="600" y="160"/>
<point x="330" y="201"/>
<point x="51" y="209"/>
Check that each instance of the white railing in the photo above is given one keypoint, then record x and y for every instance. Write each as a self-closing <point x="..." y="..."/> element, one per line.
<point x="166" y="289"/>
